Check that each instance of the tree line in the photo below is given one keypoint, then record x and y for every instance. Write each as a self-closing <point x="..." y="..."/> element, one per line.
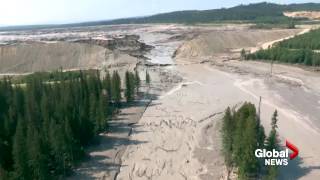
<point x="45" y="127"/>
<point x="266" y="13"/>
<point x="298" y="50"/>
<point x="310" y="40"/>
<point x="293" y="56"/>
<point x="242" y="134"/>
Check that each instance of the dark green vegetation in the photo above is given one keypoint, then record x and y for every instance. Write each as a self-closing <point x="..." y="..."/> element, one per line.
<point x="52" y="76"/>
<point x="272" y="143"/>
<point x="301" y="49"/>
<point x="310" y="40"/>
<point x="45" y="127"/>
<point x="148" y="79"/>
<point x="258" y="13"/>
<point x="242" y="134"/>
<point x="132" y="81"/>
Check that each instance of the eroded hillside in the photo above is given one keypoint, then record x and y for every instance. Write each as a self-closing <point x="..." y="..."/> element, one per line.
<point x="23" y="56"/>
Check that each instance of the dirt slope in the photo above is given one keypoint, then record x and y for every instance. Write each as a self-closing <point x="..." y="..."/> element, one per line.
<point x="313" y="15"/>
<point x="221" y="41"/>
<point x="41" y="56"/>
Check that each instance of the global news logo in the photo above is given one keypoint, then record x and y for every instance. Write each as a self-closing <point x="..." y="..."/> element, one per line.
<point x="276" y="157"/>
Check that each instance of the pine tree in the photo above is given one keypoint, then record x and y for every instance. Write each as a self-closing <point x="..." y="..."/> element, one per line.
<point x="273" y="143"/>
<point x="37" y="160"/>
<point x="19" y="152"/>
<point x="272" y="140"/>
<point x="227" y="136"/>
<point x="246" y="141"/>
<point x="116" y="88"/>
<point x="101" y="111"/>
<point x="93" y="113"/>
<point x="249" y="165"/>
<point x="137" y="81"/>
<point x="129" y="91"/>
<point x="148" y="79"/>
<point x="107" y="85"/>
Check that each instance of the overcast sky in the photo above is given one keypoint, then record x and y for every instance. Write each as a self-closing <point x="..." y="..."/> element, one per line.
<point x="22" y="12"/>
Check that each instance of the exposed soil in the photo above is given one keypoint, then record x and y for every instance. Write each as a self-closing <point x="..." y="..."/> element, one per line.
<point x="313" y="15"/>
<point x="177" y="136"/>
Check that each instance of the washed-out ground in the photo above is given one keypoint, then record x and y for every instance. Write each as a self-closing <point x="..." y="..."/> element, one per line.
<point x="196" y="74"/>
<point x="182" y="125"/>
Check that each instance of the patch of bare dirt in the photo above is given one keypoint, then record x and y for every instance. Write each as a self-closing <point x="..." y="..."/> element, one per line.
<point x="313" y="15"/>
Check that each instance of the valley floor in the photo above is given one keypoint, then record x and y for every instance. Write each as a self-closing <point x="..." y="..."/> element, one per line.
<point x="181" y="127"/>
<point x="178" y="134"/>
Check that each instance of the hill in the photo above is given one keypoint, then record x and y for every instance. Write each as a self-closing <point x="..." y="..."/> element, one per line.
<point x="258" y="12"/>
<point x="251" y="12"/>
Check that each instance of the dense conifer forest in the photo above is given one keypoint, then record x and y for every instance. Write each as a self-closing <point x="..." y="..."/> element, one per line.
<point x="242" y="134"/>
<point x="45" y="127"/>
<point x="302" y="49"/>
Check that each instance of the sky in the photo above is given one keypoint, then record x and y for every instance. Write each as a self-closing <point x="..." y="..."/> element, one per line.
<point x="27" y="12"/>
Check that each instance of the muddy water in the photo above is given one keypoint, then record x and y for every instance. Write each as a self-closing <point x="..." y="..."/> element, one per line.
<point x="163" y="49"/>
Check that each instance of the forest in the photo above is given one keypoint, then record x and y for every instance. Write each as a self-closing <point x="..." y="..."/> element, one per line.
<point x="266" y="13"/>
<point x="45" y="127"/>
<point x="242" y="134"/>
<point x="310" y="40"/>
<point x="301" y="49"/>
<point x="257" y="13"/>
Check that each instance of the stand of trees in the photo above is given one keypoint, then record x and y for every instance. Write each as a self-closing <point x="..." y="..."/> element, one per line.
<point x="310" y="40"/>
<point x="299" y="56"/>
<point x="132" y="81"/>
<point x="298" y="50"/>
<point x="266" y="13"/>
<point x="242" y="134"/>
<point x="44" y="127"/>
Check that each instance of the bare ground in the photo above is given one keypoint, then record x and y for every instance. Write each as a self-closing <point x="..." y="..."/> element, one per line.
<point x="181" y="126"/>
<point x="177" y="136"/>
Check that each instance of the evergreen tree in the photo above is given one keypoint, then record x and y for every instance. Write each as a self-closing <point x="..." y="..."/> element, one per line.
<point x="148" y="79"/>
<point x="137" y="81"/>
<point x="248" y="164"/>
<point x="129" y="91"/>
<point x="116" y="88"/>
<point x="241" y="135"/>
<point x="19" y="152"/>
<point x="227" y="136"/>
<point x="93" y="113"/>
<point x="37" y="161"/>
<point x="273" y="143"/>
<point x="101" y="111"/>
<point x="107" y="85"/>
